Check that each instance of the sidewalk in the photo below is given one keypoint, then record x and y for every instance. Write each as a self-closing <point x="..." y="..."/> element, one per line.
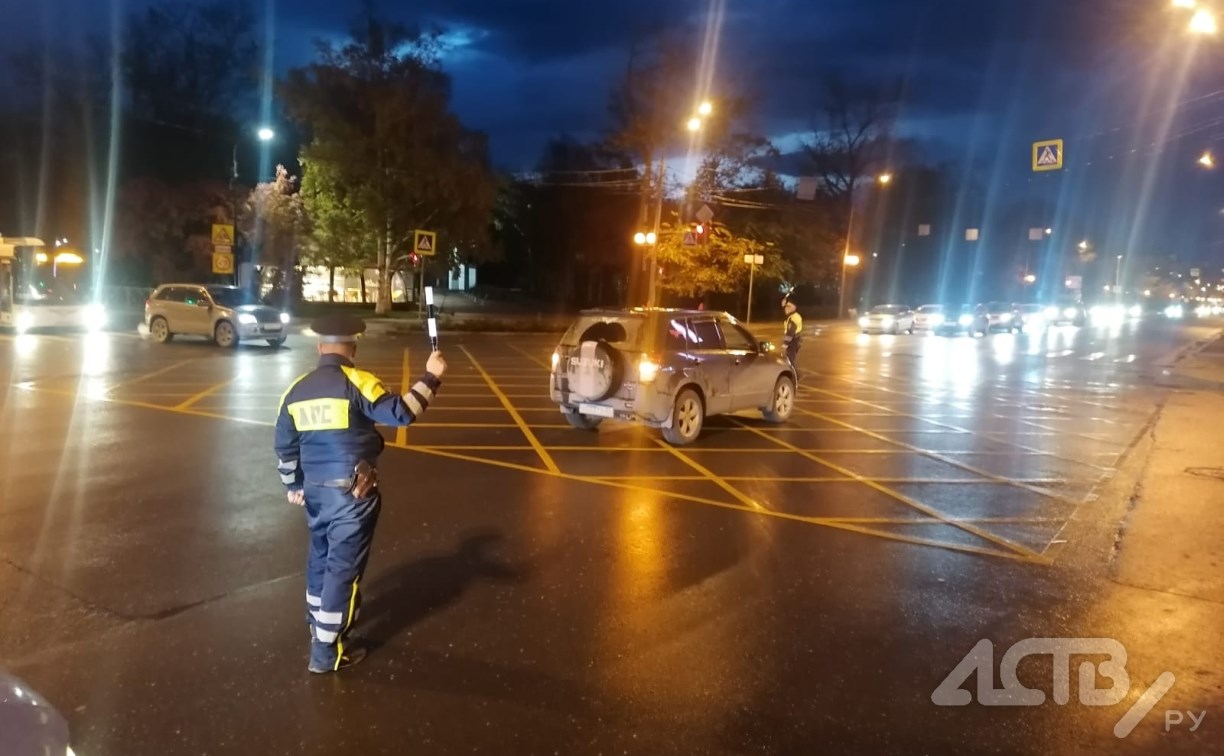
<point x="1199" y="368"/>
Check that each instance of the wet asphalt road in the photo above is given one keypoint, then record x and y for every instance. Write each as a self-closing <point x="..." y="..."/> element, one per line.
<point x="534" y="589"/>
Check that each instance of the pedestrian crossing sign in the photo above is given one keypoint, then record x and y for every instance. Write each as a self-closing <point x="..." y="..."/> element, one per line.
<point x="424" y="242"/>
<point x="1048" y="155"/>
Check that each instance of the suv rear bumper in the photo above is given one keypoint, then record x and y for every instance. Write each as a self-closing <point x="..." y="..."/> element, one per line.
<point x="649" y="406"/>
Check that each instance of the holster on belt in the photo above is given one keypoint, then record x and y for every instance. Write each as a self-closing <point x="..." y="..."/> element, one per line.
<point x="365" y="479"/>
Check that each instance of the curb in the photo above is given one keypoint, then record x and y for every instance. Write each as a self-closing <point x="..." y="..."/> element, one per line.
<point x="1171" y="377"/>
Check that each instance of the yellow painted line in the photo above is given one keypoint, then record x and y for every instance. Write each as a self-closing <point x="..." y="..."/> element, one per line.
<point x="1025" y="553"/>
<point x="531" y="357"/>
<point x="205" y="393"/>
<point x="823" y="522"/>
<point x="147" y="376"/>
<point x="535" y="442"/>
<point x="401" y="433"/>
<point x="724" y="485"/>
<point x="955" y="463"/>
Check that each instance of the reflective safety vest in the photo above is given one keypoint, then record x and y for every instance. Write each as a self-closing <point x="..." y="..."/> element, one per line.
<point x="794" y="327"/>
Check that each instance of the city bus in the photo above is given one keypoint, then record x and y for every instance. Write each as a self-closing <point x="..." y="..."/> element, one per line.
<point x="46" y="288"/>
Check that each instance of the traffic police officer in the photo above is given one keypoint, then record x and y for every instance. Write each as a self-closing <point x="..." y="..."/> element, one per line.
<point x="326" y="448"/>
<point x="793" y="336"/>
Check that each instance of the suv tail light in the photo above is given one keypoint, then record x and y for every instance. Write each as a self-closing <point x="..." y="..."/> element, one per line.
<point x="648" y="369"/>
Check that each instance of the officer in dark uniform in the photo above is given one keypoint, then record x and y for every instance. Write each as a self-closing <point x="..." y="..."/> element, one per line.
<point x="327" y="448"/>
<point x="793" y="336"/>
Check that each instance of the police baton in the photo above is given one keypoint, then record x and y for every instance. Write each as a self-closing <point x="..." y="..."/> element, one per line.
<point x="431" y="318"/>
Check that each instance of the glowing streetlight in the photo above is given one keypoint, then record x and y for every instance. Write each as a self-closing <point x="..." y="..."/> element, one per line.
<point x="1030" y="278"/>
<point x="705" y="109"/>
<point x="1204" y="23"/>
<point x="885" y="178"/>
<point x="852" y="260"/>
<point x="1207" y="160"/>
<point x="639" y="238"/>
<point x="265" y="134"/>
<point x="1184" y="3"/>
<point x="1049" y="231"/>
<point x="651" y="238"/>
<point x="694" y="124"/>
<point x="1083" y="245"/>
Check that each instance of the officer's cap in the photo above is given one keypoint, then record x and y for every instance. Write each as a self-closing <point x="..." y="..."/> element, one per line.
<point x="338" y="329"/>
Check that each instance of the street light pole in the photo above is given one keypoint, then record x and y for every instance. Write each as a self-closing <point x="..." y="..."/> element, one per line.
<point x="653" y="253"/>
<point x="841" y="289"/>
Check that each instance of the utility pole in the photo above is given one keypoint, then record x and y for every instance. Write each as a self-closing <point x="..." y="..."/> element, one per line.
<point x="652" y="254"/>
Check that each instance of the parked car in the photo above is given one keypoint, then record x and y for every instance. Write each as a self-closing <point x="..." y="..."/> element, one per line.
<point x="29" y="726"/>
<point x="225" y="314"/>
<point x="888" y="319"/>
<point x="1002" y="316"/>
<point x="669" y="369"/>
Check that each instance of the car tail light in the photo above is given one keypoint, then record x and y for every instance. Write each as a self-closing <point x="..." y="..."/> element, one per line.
<point x="648" y="370"/>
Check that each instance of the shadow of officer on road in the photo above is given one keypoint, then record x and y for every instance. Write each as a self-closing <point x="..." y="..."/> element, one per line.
<point x="414" y="590"/>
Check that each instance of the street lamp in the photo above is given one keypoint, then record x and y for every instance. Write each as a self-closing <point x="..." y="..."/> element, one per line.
<point x="1203" y="23"/>
<point x="1083" y="245"/>
<point x="848" y="261"/>
<point x="1030" y="278"/>
<point x="694" y="125"/>
<point x="265" y="134"/>
<point x="1207" y="160"/>
<point x="884" y="178"/>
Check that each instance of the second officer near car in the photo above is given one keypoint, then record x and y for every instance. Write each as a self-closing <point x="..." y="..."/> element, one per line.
<point x="327" y="449"/>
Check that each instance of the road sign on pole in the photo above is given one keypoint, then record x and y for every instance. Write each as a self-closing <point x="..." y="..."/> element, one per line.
<point x="425" y="242"/>
<point x="222" y="234"/>
<point x="223" y="261"/>
<point x="1048" y="155"/>
<point x="689" y="239"/>
<point x="753" y="261"/>
<point x="705" y="214"/>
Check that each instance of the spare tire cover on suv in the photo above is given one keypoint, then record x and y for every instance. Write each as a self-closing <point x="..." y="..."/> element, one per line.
<point x="594" y="371"/>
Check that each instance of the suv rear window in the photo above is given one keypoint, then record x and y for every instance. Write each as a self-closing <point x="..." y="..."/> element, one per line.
<point x="621" y="331"/>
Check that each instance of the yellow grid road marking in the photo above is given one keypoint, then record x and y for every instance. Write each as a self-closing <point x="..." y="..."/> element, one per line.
<point x="206" y="392"/>
<point x="401" y="433"/>
<point x="1021" y="551"/>
<point x="545" y="457"/>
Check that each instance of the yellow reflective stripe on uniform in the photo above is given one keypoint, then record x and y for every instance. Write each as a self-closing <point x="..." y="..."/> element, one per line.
<point x="320" y="414"/>
<point x="285" y="395"/>
<point x="347" y="625"/>
<point x="367" y="383"/>
<point x="797" y="319"/>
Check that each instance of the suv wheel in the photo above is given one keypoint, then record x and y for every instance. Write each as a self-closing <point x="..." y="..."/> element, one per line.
<point x="783" y="402"/>
<point x="582" y="422"/>
<point x="688" y="417"/>
<point x="160" y="330"/>
<point x="225" y="335"/>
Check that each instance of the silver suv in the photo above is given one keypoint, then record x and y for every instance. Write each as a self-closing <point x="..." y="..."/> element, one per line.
<point x="225" y="314"/>
<point x="669" y="369"/>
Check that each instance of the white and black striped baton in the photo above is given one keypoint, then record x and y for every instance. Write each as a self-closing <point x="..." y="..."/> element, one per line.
<point x="431" y="318"/>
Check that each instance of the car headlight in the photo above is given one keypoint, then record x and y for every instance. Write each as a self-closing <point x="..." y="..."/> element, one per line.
<point x="1135" y="311"/>
<point x="1051" y="312"/>
<point x="648" y="370"/>
<point x="1069" y="312"/>
<point x="284" y="316"/>
<point x="937" y="320"/>
<point x="1006" y="317"/>
<point x="23" y="322"/>
<point x="1174" y="311"/>
<point x="556" y="360"/>
<point x="965" y="320"/>
<point x="247" y="318"/>
<point x="864" y="321"/>
<point x="886" y="319"/>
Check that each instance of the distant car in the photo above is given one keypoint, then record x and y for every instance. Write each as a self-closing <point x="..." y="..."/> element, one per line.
<point x="960" y="319"/>
<point x="1032" y="317"/>
<point x="30" y="726"/>
<point x="929" y="317"/>
<point x="225" y="314"/>
<point x="1003" y="316"/>
<point x="888" y="319"/>
<point x="668" y="369"/>
<point x="1066" y="312"/>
